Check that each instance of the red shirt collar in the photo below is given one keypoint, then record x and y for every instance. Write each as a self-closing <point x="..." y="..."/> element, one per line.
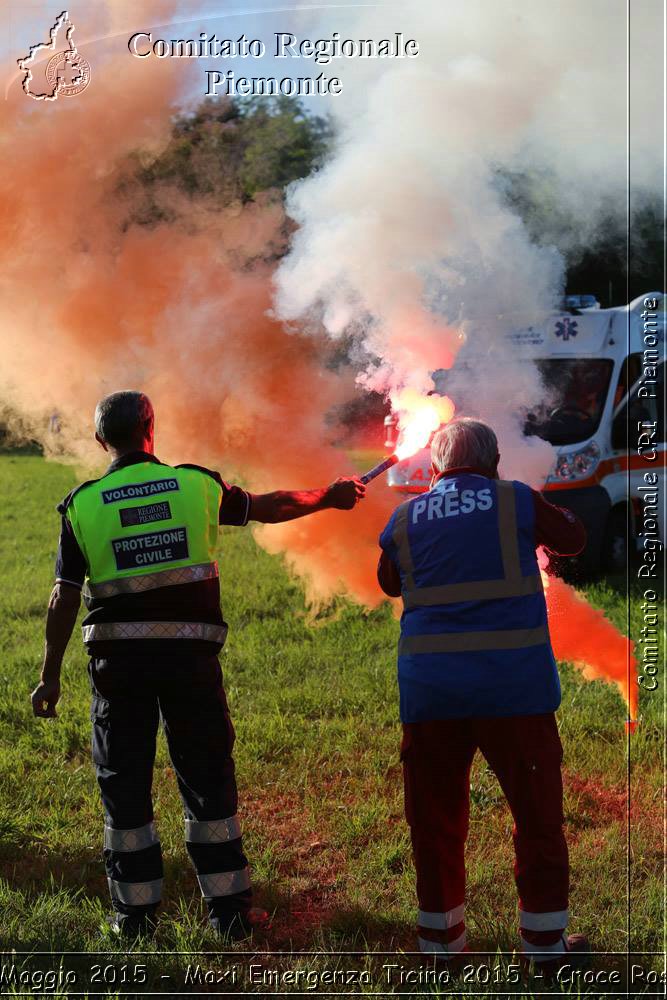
<point x="463" y="470"/>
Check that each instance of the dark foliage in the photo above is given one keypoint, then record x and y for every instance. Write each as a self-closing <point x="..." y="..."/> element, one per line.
<point x="231" y="150"/>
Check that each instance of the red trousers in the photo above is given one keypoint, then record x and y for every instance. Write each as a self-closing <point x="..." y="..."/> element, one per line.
<point x="525" y="753"/>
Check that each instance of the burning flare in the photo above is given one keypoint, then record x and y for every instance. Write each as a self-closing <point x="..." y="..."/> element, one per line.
<point x="418" y="418"/>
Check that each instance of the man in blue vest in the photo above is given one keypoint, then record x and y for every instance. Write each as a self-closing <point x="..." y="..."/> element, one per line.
<point x="476" y="671"/>
<point x="141" y="542"/>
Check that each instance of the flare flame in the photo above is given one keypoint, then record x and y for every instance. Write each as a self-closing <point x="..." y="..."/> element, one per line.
<point x="418" y="418"/>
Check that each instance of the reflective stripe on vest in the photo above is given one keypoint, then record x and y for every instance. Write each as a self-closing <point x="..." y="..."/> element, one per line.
<point x="469" y="642"/>
<point x="478" y="590"/>
<point x="145" y="518"/>
<point x="109" y="631"/>
<point x="152" y="581"/>
<point x="402" y="542"/>
<point x="513" y="584"/>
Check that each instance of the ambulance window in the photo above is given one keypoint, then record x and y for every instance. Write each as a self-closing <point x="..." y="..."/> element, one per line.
<point x="631" y="369"/>
<point x="575" y="392"/>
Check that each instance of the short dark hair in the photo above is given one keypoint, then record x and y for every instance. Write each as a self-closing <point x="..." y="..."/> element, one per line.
<point x="120" y="419"/>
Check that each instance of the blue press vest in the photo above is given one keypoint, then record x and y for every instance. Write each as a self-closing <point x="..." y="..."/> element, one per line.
<point x="474" y="633"/>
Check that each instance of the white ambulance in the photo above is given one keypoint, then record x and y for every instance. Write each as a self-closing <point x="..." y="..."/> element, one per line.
<point x="604" y="377"/>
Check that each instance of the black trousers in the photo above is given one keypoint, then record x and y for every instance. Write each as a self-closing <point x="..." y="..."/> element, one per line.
<point x="130" y="695"/>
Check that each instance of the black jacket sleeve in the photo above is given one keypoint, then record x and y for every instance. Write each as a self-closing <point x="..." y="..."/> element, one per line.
<point x="70" y="561"/>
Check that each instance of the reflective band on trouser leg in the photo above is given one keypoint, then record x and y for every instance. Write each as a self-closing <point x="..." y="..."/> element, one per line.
<point x="107" y="631"/>
<point x="556" y="920"/>
<point x="450" y="948"/>
<point x="125" y="841"/>
<point x="442" y="921"/>
<point x="136" y="893"/>
<point x="224" y="883"/>
<point x="445" y="932"/>
<point x="212" y="831"/>
<point x="542" y="934"/>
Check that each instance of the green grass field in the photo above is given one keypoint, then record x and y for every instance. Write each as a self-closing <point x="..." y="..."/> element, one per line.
<point x="314" y="703"/>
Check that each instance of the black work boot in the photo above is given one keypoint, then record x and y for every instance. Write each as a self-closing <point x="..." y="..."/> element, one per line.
<point x="240" y="925"/>
<point x="576" y="956"/>
<point x="578" y="943"/>
<point x="132" y="926"/>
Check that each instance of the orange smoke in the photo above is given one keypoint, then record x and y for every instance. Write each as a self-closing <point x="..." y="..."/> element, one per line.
<point x="94" y="301"/>
<point x="580" y="634"/>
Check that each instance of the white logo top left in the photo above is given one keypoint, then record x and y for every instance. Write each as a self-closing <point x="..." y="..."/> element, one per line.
<point x="67" y="72"/>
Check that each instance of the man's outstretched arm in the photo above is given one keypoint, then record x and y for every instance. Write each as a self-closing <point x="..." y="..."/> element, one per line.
<point x="60" y="621"/>
<point x="272" y="508"/>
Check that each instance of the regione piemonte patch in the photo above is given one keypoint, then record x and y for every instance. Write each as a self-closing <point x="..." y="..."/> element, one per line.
<point x="129" y="516"/>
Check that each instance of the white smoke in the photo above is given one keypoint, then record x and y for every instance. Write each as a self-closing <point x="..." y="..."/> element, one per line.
<point x="405" y="236"/>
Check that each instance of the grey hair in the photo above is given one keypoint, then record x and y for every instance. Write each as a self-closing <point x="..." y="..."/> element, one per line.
<point x="464" y="442"/>
<point x="120" y="418"/>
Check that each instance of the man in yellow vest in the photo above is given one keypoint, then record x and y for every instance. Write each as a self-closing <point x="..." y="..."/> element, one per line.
<point x="141" y="544"/>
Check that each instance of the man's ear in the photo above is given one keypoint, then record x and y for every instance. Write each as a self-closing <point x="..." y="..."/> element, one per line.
<point x="100" y="441"/>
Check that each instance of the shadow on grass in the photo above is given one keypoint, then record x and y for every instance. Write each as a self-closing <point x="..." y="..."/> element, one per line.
<point x="68" y="888"/>
<point x="312" y="921"/>
<point x="49" y="918"/>
<point x="307" y="921"/>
